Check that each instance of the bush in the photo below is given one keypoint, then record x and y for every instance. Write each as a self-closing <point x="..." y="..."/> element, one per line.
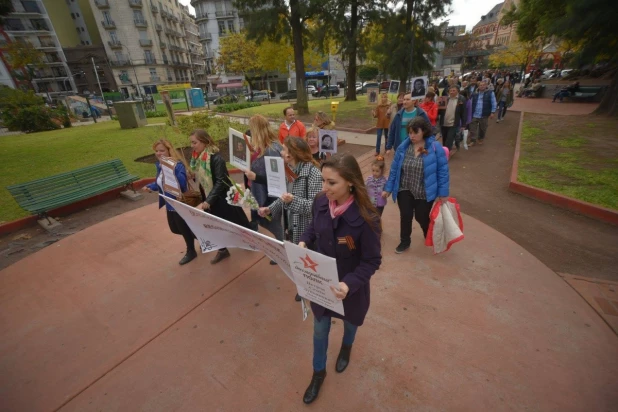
<point x="232" y="107"/>
<point x="30" y="119"/>
<point x="156" y="114"/>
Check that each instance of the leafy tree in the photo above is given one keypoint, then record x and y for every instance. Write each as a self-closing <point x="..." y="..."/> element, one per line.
<point x="368" y="72"/>
<point x="516" y="54"/>
<point x="25" y="111"/>
<point x="411" y="23"/>
<point x="590" y="24"/>
<point x="238" y="54"/>
<point x="25" y="57"/>
<point x="342" y="23"/>
<point x="279" y="19"/>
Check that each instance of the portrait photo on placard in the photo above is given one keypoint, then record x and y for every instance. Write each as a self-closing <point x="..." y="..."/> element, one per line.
<point x="372" y="95"/>
<point x="394" y="87"/>
<point x="239" y="151"/>
<point x="273" y="166"/>
<point x="419" y="87"/>
<point x="328" y="141"/>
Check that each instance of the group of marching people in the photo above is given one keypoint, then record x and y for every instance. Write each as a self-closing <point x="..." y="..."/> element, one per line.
<point x="327" y="200"/>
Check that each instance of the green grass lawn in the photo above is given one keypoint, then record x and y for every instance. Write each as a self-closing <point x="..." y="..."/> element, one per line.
<point x="572" y="156"/>
<point x="32" y="156"/>
<point x="349" y="114"/>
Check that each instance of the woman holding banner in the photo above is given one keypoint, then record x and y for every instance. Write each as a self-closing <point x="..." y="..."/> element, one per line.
<point x="177" y="224"/>
<point x="345" y="226"/>
<point x="211" y="172"/>
<point x="307" y="184"/>
<point x="265" y="143"/>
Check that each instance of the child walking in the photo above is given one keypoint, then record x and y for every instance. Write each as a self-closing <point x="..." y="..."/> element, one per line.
<point x="375" y="184"/>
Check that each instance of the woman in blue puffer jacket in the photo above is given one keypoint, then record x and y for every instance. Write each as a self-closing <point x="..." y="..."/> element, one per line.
<point x="419" y="174"/>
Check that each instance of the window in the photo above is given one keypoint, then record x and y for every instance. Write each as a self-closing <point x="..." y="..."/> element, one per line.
<point x="30" y="6"/>
<point x="219" y="6"/>
<point x="107" y="18"/>
<point x="39" y="24"/>
<point x="221" y="27"/>
<point x="153" y="71"/>
<point x="230" y="26"/>
<point x="149" y="57"/>
<point x="143" y="35"/>
<point x="137" y="15"/>
<point x="119" y="56"/>
<point x="113" y="36"/>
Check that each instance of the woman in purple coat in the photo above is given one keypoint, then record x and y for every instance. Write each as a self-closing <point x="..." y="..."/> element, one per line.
<point x="346" y="226"/>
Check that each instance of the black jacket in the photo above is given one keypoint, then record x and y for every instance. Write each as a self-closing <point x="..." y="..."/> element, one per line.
<point x="216" y="198"/>
<point x="460" y="112"/>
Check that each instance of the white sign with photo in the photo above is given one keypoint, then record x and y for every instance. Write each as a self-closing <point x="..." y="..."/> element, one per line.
<point x="328" y="141"/>
<point x="240" y="156"/>
<point x="419" y="87"/>
<point x="275" y="176"/>
<point x="372" y="95"/>
<point x="394" y="87"/>
<point x="314" y="274"/>
<point x="170" y="183"/>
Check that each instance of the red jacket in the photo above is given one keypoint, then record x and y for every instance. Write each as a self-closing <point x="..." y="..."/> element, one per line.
<point x="297" y="129"/>
<point x="431" y="108"/>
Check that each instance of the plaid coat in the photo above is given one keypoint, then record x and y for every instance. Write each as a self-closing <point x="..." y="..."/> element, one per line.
<point x="305" y="188"/>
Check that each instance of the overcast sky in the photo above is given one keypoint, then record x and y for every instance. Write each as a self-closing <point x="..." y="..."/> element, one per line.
<point x="466" y="12"/>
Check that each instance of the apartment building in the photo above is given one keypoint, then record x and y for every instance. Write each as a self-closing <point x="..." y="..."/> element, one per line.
<point x="145" y="42"/>
<point x="216" y="19"/>
<point x="196" y="50"/>
<point x="30" y="22"/>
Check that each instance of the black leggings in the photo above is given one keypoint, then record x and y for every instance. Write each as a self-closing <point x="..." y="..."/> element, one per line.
<point x="411" y="208"/>
<point x="178" y="226"/>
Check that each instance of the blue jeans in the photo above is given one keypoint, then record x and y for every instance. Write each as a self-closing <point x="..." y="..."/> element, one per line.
<point x="321" y="329"/>
<point x="501" y="109"/>
<point x="379" y="141"/>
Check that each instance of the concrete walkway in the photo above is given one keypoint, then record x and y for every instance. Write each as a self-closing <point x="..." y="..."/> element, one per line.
<point x="106" y="320"/>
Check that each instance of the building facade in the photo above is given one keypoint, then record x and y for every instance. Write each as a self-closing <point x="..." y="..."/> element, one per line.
<point x="486" y="29"/>
<point x="506" y="34"/>
<point x="216" y="19"/>
<point x="196" y="50"/>
<point x="31" y="23"/>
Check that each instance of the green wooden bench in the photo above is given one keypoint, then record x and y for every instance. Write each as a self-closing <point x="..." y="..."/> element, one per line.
<point x="586" y="93"/>
<point x="42" y="195"/>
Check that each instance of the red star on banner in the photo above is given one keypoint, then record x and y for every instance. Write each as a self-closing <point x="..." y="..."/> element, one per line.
<point x="309" y="264"/>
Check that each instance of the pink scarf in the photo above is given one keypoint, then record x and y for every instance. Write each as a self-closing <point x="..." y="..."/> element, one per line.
<point x="338" y="210"/>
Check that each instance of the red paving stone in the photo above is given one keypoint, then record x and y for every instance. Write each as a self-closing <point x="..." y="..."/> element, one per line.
<point x="107" y="320"/>
<point x="602" y="295"/>
<point x="545" y="106"/>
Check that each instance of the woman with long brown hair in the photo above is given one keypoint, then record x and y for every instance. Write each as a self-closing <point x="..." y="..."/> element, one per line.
<point x="345" y="226"/>
<point x="211" y="172"/>
<point x="177" y="225"/>
<point x="265" y="143"/>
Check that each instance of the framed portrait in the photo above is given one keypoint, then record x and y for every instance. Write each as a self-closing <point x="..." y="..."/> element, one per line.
<point x="328" y="141"/>
<point x="373" y="94"/>
<point x="240" y="156"/>
<point x="394" y="87"/>
<point x="419" y="87"/>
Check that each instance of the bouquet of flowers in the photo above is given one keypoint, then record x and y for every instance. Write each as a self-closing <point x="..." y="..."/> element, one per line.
<point x="236" y="196"/>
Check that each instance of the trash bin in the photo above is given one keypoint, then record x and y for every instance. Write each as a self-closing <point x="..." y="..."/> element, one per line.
<point x="130" y="114"/>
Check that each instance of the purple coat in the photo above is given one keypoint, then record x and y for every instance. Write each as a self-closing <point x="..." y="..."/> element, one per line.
<point x="355" y="245"/>
<point x="374" y="190"/>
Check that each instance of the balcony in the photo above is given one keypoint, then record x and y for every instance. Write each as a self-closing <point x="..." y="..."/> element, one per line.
<point x="115" y="44"/>
<point x="24" y="28"/>
<point x="135" y="4"/>
<point x="145" y="42"/>
<point x="170" y="78"/>
<point x="154" y="9"/>
<point x="47" y="45"/>
<point x="140" y="23"/>
<point x="28" y="7"/>
<point x="165" y="14"/>
<point x="158" y="27"/>
<point x="126" y="81"/>
<point x="200" y="16"/>
<point x="221" y="14"/>
<point x="150" y="60"/>
<point x="102" y="4"/>
<point x="174" y="18"/>
<point x="155" y="78"/>
<point x="108" y="24"/>
<point x="163" y="45"/>
<point x="205" y="36"/>
<point x="119" y="62"/>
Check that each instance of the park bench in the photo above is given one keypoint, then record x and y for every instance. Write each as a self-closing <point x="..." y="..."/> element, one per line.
<point x="586" y="93"/>
<point x="42" y="195"/>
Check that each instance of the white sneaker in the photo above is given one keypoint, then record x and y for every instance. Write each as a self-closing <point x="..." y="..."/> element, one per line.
<point x="498" y="121"/>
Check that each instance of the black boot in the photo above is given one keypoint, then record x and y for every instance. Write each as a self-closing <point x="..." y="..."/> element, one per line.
<point x="344" y="358"/>
<point x="221" y="254"/>
<point x="314" y="387"/>
<point x="191" y="254"/>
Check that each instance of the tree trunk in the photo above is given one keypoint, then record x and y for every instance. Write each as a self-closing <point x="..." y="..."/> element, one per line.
<point x="302" y="105"/>
<point x="609" y="102"/>
<point x="351" y="92"/>
<point x="406" y="62"/>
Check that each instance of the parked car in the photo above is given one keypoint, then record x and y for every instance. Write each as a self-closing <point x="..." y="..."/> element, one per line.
<point x="258" y="97"/>
<point x="212" y="96"/>
<point x="326" y="91"/>
<point x="565" y="72"/>
<point x="366" y="85"/>
<point x="550" y="74"/>
<point x="228" y="98"/>
<point x="272" y="94"/>
<point x="290" y="94"/>
<point x="311" y="88"/>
